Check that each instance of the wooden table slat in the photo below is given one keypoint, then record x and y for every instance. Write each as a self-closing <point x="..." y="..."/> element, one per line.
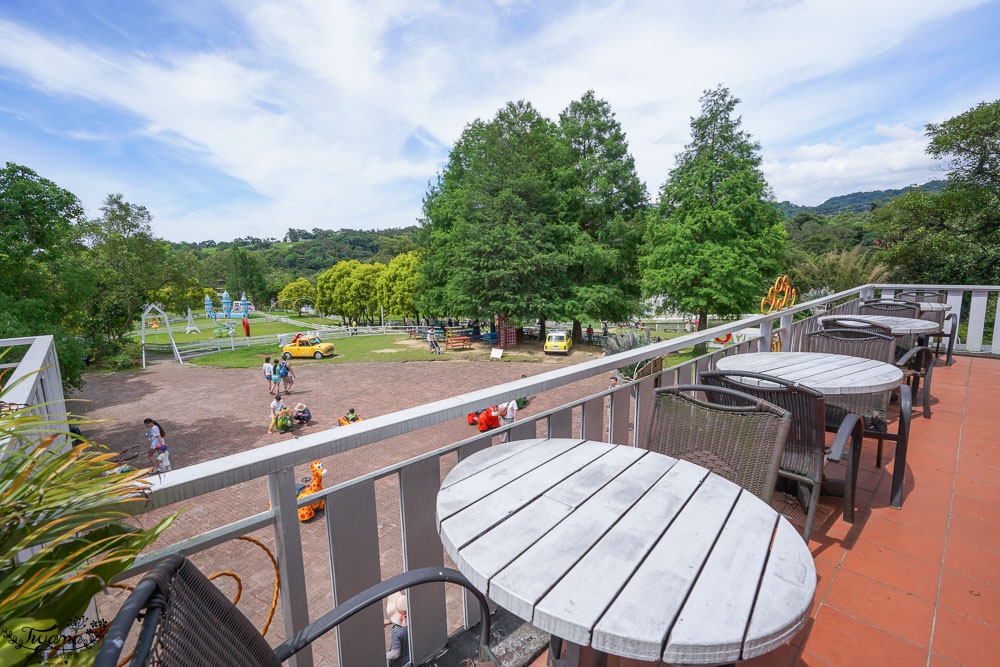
<point x="520" y="585"/>
<point x="786" y="593"/>
<point x="482" y="515"/>
<point x="637" y="622"/>
<point x="706" y="631"/>
<point x="491" y="552"/>
<point x="460" y="495"/>
<point x="469" y="466"/>
<point x="606" y="568"/>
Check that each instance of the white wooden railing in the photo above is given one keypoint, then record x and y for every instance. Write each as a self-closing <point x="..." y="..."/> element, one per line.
<point x="351" y="520"/>
<point x="35" y="379"/>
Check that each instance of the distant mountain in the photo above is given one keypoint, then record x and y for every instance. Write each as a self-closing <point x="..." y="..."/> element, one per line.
<point x="857" y="202"/>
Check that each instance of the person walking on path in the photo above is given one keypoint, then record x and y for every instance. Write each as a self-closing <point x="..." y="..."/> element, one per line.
<point x="275" y="377"/>
<point x="277" y="405"/>
<point x="507" y="414"/>
<point x="286" y="375"/>
<point x="159" y="459"/>
<point x="267" y="375"/>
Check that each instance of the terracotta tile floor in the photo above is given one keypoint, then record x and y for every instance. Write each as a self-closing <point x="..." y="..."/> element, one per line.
<point x="920" y="585"/>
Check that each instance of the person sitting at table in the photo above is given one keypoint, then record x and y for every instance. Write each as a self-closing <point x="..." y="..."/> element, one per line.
<point x="301" y="414"/>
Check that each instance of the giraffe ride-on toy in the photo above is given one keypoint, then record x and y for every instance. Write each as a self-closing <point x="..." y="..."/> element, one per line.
<point x="316" y="484"/>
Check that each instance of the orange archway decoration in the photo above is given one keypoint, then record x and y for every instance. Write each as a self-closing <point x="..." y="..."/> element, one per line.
<point x="781" y="295"/>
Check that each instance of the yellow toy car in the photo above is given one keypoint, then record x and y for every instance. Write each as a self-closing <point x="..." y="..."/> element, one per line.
<point x="307" y="347"/>
<point x="558" y="341"/>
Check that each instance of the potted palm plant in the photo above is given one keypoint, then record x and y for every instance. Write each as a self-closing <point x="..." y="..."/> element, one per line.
<point x="64" y="533"/>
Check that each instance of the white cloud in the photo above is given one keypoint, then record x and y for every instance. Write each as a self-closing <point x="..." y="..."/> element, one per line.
<point x="810" y="174"/>
<point x="313" y="112"/>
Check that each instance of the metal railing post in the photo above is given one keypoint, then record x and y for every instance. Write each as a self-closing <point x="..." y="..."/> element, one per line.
<point x="288" y="550"/>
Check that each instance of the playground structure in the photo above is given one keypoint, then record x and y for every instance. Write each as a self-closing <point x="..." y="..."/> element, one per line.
<point x="239" y="310"/>
<point x="145" y="316"/>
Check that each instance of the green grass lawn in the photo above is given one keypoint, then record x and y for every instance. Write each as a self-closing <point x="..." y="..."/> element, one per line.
<point x="358" y="349"/>
<point x="258" y="327"/>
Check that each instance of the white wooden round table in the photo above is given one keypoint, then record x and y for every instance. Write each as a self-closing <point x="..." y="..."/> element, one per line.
<point x="900" y="326"/>
<point x="831" y="374"/>
<point x="634" y="553"/>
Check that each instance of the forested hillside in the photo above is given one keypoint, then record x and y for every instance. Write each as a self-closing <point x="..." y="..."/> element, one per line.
<point x="857" y="202"/>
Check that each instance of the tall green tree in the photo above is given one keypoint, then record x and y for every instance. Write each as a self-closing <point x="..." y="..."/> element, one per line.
<point x="300" y="288"/>
<point x="245" y="275"/>
<point x="329" y="299"/>
<point x="716" y="240"/>
<point x="604" y="199"/>
<point x="397" y="286"/>
<point x="952" y="236"/>
<point x="131" y="266"/>
<point x="44" y="282"/>
<point x="494" y="240"/>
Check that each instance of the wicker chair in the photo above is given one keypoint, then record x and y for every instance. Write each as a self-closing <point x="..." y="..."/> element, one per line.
<point x="890" y="308"/>
<point x="939" y="316"/>
<point x="742" y="441"/>
<point x="805" y="451"/>
<point x="189" y="622"/>
<point x="917" y="363"/>
<point x="856" y="343"/>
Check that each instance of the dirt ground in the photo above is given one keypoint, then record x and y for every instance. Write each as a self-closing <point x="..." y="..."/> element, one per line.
<point x="211" y="412"/>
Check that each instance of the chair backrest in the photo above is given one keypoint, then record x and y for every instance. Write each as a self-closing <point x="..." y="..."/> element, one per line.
<point x="804" y="451"/>
<point x="189" y="621"/>
<point x="920" y="296"/>
<point x="742" y="443"/>
<point x="853" y="343"/>
<point x="891" y="308"/>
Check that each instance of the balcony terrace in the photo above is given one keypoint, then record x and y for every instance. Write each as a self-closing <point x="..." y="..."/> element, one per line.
<point x="916" y="585"/>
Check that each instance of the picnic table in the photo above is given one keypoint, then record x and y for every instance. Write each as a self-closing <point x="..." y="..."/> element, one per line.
<point x="458" y="343"/>
<point x="632" y="552"/>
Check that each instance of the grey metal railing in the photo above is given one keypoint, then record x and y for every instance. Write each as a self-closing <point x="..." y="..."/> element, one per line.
<point x="351" y="518"/>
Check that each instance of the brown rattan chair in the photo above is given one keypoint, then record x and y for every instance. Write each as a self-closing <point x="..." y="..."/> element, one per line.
<point x="938" y="316"/>
<point x="869" y="345"/>
<point x="742" y="441"/>
<point x="805" y="451"/>
<point x="891" y="308"/>
<point x="917" y="363"/>
<point x="190" y="623"/>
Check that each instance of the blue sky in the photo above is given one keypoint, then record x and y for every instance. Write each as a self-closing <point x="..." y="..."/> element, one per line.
<point x="246" y="117"/>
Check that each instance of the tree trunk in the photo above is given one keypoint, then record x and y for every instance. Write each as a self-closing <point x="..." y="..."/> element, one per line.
<point x="577" y="332"/>
<point x="701" y="348"/>
<point x="541" y="329"/>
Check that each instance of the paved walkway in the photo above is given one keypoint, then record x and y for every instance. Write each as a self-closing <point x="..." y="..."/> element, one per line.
<point x="920" y="585"/>
<point x="209" y="412"/>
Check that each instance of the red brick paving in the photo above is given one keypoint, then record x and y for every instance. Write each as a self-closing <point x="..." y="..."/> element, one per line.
<point x="210" y="412"/>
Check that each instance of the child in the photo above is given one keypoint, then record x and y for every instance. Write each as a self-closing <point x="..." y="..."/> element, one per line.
<point x="267" y="374"/>
<point x="277" y="405"/>
<point x="159" y="459"/>
<point x="276" y="375"/>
